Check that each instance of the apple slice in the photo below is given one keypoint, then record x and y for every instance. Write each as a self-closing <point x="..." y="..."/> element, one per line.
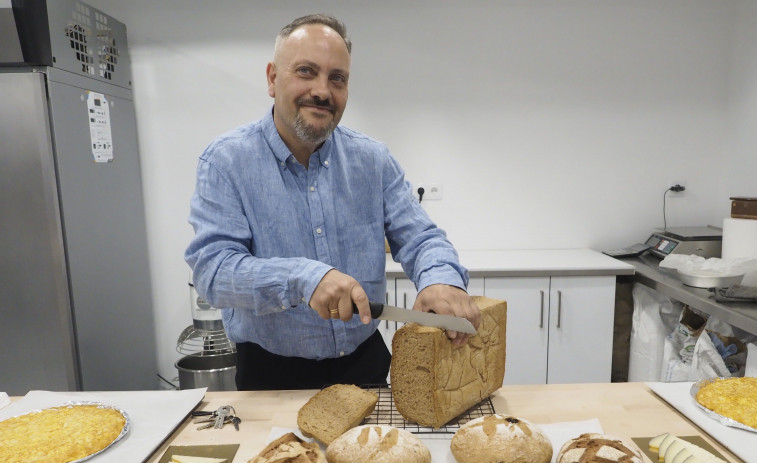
<point x="676" y="447"/>
<point x="663" y="449"/>
<point x="684" y="455"/>
<point x="654" y="443"/>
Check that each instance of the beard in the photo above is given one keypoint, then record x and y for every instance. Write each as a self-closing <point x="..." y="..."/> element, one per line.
<point x="308" y="132"/>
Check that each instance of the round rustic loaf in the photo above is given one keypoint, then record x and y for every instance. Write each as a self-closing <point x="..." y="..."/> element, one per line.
<point x="500" y="439"/>
<point x="596" y="447"/>
<point x="377" y="444"/>
<point x="291" y="449"/>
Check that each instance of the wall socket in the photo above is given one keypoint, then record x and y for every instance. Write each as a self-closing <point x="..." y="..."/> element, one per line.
<point x="432" y="191"/>
<point x="675" y="190"/>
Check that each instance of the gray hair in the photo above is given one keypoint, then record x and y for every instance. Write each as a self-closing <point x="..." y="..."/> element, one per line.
<point x="317" y="18"/>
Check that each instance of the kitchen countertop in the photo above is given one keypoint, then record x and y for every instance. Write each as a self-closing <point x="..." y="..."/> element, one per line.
<point x="531" y="263"/>
<point x="625" y="410"/>
<point x="648" y="272"/>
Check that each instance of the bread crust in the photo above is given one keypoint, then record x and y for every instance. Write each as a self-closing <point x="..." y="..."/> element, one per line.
<point x="500" y="439"/>
<point x="377" y="444"/>
<point x="434" y="381"/>
<point x="334" y="410"/>
<point x="591" y="447"/>
<point x="290" y="449"/>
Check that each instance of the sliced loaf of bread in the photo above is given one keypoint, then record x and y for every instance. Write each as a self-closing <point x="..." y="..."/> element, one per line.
<point x="434" y="381"/>
<point x="334" y="410"/>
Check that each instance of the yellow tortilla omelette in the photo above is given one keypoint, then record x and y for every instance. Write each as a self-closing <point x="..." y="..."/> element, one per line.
<point x="734" y="398"/>
<point x="59" y="434"/>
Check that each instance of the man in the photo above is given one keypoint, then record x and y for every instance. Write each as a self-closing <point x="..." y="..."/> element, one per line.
<point x="290" y="214"/>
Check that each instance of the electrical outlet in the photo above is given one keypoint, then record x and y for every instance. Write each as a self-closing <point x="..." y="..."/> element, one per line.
<point x="677" y="188"/>
<point x="431" y="191"/>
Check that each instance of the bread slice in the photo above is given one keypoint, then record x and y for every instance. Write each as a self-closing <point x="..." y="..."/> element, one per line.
<point x="334" y="410"/>
<point x="434" y="381"/>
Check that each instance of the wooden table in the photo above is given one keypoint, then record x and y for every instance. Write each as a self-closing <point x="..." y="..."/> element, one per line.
<point x="623" y="409"/>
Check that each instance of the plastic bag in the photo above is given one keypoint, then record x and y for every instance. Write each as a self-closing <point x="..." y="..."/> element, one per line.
<point x="654" y="316"/>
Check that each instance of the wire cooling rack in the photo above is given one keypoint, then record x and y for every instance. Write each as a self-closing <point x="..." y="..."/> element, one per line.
<point x="385" y="413"/>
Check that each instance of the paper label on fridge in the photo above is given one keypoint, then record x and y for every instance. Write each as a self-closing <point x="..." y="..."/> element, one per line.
<point x="99" y="127"/>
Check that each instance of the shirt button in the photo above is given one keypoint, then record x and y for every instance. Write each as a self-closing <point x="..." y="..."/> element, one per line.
<point x="325" y="163"/>
<point x="283" y="164"/>
<point x="283" y="307"/>
<point x="303" y="299"/>
<point x="312" y="188"/>
<point x="318" y="230"/>
<point x="341" y="354"/>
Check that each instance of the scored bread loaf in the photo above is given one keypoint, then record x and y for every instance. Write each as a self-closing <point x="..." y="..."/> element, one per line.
<point x="500" y="439"/>
<point x="591" y="447"/>
<point x="334" y="410"/>
<point x="290" y="449"/>
<point x="377" y="444"/>
<point x="434" y="381"/>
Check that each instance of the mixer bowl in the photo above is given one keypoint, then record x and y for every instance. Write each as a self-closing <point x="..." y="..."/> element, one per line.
<point x="216" y="372"/>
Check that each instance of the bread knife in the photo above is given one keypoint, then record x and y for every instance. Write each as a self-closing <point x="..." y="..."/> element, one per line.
<point x="448" y="322"/>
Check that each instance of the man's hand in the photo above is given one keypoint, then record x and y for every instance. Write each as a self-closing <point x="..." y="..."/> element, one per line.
<point x="449" y="300"/>
<point x="334" y="295"/>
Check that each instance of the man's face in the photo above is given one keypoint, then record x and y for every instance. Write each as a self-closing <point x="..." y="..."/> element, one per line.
<point x="308" y="81"/>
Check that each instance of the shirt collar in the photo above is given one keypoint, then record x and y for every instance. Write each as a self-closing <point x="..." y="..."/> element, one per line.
<point x="279" y="148"/>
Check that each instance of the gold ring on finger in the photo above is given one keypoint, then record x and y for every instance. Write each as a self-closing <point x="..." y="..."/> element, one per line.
<point x="334" y="312"/>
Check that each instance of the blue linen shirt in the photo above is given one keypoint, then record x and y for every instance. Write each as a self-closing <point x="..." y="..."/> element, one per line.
<point x="267" y="230"/>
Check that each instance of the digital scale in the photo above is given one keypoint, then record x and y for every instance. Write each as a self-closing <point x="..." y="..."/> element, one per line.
<point x="701" y="241"/>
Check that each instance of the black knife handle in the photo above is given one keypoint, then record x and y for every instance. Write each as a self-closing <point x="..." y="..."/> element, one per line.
<point x="376" y="309"/>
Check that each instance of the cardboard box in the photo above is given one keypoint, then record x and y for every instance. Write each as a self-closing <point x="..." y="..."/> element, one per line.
<point x="744" y="208"/>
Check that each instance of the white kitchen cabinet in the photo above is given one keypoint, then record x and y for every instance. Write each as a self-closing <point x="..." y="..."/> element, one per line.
<point x="559" y="329"/>
<point x="527" y="326"/>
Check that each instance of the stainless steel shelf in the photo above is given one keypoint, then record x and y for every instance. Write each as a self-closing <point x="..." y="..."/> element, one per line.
<point x="739" y="314"/>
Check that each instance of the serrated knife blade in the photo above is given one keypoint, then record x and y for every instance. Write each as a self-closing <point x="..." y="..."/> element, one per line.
<point x="448" y="322"/>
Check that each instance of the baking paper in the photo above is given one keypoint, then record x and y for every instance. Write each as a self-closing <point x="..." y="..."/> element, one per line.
<point x="154" y="416"/>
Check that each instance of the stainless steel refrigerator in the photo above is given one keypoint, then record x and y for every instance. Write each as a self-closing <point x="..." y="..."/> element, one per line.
<point x="75" y="294"/>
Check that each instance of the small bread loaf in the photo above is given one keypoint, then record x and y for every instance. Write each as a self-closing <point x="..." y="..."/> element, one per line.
<point x="290" y="449"/>
<point x="377" y="444"/>
<point x="500" y="439"/>
<point x="334" y="410"/>
<point x="434" y="381"/>
<point x="597" y="447"/>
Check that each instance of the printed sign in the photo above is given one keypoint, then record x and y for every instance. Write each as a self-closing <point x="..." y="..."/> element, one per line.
<point x="99" y="127"/>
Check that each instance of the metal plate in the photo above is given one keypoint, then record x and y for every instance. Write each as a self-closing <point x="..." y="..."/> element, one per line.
<point x="709" y="281"/>
<point x="124" y="431"/>
<point x="724" y="420"/>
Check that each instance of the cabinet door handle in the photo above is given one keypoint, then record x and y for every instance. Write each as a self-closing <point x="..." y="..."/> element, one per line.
<point x="559" y="307"/>
<point x="386" y="299"/>
<point x="541" y="317"/>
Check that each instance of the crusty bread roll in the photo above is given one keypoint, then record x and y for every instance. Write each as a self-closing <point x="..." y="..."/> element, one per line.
<point x="377" y="444"/>
<point x="597" y="447"/>
<point x="335" y="409"/>
<point x="500" y="439"/>
<point x="290" y="449"/>
<point x="434" y="381"/>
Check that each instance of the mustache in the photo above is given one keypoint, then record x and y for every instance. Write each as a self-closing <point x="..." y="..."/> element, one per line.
<point x="316" y="102"/>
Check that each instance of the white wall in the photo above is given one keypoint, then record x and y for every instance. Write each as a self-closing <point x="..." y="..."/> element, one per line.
<point x="549" y="124"/>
